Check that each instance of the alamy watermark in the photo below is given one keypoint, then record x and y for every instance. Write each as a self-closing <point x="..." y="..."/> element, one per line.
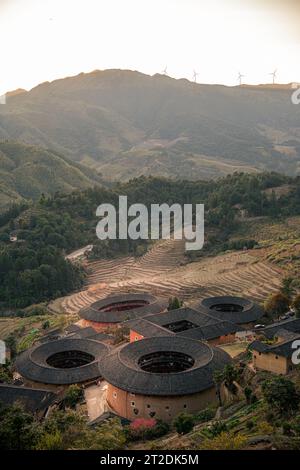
<point x="2" y="352"/>
<point x="296" y="353"/>
<point x="296" y="94"/>
<point x="164" y="221"/>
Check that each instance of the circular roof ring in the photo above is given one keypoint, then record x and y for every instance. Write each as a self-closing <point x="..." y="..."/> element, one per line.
<point x="123" y="307"/>
<point x="165" y="366"/>
<point x="234" y="309"/>
<point x="64" y="361"/>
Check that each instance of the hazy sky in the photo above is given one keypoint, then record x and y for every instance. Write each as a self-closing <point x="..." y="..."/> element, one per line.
<point x="47" y="39"/>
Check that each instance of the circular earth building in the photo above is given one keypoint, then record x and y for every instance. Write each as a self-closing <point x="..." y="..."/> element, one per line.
<point x="161" y="377"/>
<point x="234" y="309"/>
<point x="119" y="308"/>
<point x="62" y="362"/>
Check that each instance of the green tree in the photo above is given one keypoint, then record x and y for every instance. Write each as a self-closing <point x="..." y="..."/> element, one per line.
<point x="17" y="430"/>
<point x="281" y="395"/>
<point x="287" y="288"/>
<point x="46" y="325"/>
<point x="50" y="441"/>
<point x="218" y="380"/>
<point x="67" y="426"/>
<point x="277" y="304"/>
<point x="184" y="423"/>
<point x="174" y="303"/>
<point x="296" y="305"/>
<point x="11" y="344"/>
<point x="73" y="395"/>
<point x="248" y="394"/>
<point x="230" y="375"/>
<point x="109" y="436"/>
<point x="6" y="375"/>
<point x="224" y="441"/>
<point x="217" y="428"/>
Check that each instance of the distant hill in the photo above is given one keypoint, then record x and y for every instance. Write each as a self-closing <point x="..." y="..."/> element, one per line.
<point x="26" y="172"/>
<point x="127" y="124"/>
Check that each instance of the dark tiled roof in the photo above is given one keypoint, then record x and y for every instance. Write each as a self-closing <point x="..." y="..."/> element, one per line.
<point x="211" y="331"/>
<point x="205" y="327"/>
<point x="284" y="348"/>
<point x="185" y="313"/>
<point x="33" y="365"/>
<point x="286" y="334"/>
<point x="32" y="399"/>
<point x="101" y="337"/>
<point x="121" y="367"/>
<point x="87" y="332"/>
<point x="107" y="416"/>
<point x="93" y="313"/>
<point x="251" y="312"/>
<point x="72" y="328"/>
<point x="51" y="335"/>
<point x="291" y="325"/>
<point x="258" y="346"/>
<point x="147" y="328"/>
<point x="90" y="333"/>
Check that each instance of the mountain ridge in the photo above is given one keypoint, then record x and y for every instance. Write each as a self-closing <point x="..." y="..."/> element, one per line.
<point x="126" y="123"/>
<point x="27" y="171"/>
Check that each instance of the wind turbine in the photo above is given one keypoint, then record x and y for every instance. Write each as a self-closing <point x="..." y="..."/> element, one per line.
<point x="165" y="71"/>
<point x="195" y="75"/>
<point x="274" y="74"/>
<point x="240" y="76"/>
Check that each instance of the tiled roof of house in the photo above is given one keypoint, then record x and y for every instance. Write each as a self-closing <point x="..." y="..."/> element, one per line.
<point x="292" y="324"/>
<point x="32" y="399"/>
<point x="283" y="348"/>
<point x="185" y="322"/>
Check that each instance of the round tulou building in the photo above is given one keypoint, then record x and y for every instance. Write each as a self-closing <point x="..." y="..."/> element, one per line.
<point x="116" y="309"/>
<point x="62" y="362"/>
<point x="236" y="310"/>
<point x="161" y="377"/>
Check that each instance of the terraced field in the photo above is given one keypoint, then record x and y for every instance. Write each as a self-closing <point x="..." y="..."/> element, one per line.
<point x="164" y="271"/>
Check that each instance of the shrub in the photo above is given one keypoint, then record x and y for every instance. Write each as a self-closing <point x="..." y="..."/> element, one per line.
<point x="286" y="428"/>
<point x="184" y="423"/>
<point x="280" y="395"/>
<point x="287" y="287"/>
<point x="253" y="399"/>
<point x="205" y="415"/>
<point x="6" y="376"/>
<point x="11" y="344"/>
<point x="53" y="441"/>
<point x="142" y="423"/>
<point x="224" y="441"/>
<point x="46" y="325"/>
<point x="296" y="305"/>
<point x="249" y="424"/>
<point x="217" y="428"/>
<point x="265" y="428"/>
<point x="277" y="304"/>
<point x="230" y="375"/>
<point x="34" y="311"/>
<point x="174" y="303"/>
<point x="73" y="395"/>
<point x="248" y="394"/>
<point x="143" y="429"/>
